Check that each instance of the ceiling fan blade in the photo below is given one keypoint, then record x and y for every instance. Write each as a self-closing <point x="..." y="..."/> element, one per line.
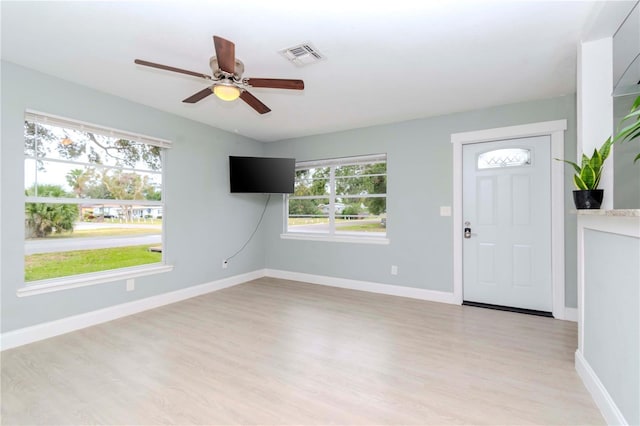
<point x="174" y="69"/>
<point x="198" y="96"/>
<point x="226" y="54"/>
<point x="254" y="102"/>
<point x="276" y="83"/>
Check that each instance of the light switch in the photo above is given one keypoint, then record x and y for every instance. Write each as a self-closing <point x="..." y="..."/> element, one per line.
<point x="445" y="210"/>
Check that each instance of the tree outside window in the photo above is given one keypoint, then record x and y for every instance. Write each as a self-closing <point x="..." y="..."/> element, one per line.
<point x="91" y="193"/>
<point x="346" y="196"/>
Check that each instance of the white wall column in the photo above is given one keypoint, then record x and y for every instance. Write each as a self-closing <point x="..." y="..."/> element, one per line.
<point x="595" y="105"/>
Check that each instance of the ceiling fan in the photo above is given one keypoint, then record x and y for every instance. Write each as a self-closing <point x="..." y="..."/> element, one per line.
<point x="228" y="83"/>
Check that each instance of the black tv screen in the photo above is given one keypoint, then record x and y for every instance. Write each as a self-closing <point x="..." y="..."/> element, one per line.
<point x="262" y="174"/>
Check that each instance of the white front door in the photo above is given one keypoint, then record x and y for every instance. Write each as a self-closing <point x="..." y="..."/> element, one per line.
<point x="507" y="210"/>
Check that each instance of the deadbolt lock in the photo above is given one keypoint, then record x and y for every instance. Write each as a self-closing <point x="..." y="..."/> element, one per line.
<point x="467" y="230"/>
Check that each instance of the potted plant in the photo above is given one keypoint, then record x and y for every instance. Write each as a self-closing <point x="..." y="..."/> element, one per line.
<point x="587" y="177"/>
<point x="632" y="131"/>
<point x="588" y="173"/>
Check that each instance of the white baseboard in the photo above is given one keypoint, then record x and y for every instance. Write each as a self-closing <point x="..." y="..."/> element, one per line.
<point x="393" y="290"/>
<point x="571" y="314"/>
<point x="601" y="397"/>
<point x="46" y="330"/>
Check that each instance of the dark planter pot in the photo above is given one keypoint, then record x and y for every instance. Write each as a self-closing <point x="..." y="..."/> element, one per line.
<point x="588" y="198"/>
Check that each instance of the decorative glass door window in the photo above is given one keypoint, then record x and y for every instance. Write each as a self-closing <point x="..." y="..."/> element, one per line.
<point x="512" y="157"/>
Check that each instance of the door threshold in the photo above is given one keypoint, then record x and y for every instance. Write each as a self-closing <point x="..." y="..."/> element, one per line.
<point x="508" y="309"/>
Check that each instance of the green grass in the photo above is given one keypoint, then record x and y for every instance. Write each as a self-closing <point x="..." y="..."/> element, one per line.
<point x="313" y="220"/>
<point x="105" y="232"/>
<point x="307" y="220"/>
<point x="133" y="222"/>
<point x="364" y="227"/>
<point x="62" y="264"/>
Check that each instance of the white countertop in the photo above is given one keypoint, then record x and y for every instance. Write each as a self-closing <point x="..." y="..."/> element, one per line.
<point x="615" y="212"/>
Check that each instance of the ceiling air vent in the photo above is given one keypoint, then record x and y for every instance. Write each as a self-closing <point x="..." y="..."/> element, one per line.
<point x="302" y="54"/>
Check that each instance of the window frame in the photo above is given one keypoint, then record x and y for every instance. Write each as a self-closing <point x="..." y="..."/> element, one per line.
<point x="29" y="288"/>
<point x="331" y="236"/>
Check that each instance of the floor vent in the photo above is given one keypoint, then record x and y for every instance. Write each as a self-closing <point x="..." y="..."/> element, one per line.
<point x="302" y="54"/>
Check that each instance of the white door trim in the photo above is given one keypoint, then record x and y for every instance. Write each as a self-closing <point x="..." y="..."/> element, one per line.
<point x="554" y="129"/>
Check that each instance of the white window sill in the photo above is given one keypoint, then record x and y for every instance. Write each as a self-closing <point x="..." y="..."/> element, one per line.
<point x="83" y="280"/>
<point x="336" y="238"/>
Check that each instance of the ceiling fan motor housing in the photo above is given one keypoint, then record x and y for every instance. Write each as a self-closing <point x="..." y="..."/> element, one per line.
<point x="218" y="73"/>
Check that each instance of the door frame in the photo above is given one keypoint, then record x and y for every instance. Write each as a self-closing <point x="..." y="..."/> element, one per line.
<point x="553" y="129"/>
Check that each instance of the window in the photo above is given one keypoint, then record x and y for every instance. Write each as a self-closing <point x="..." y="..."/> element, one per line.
<point x="93" y="200"/>
<point x="509" y="157"/>
<point x="342" y="199"/>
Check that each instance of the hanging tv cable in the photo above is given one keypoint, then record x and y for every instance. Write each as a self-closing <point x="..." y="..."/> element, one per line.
<point x="252" y="234"/>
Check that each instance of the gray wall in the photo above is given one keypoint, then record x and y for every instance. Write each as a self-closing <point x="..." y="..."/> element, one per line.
<point x="419" y="182"/>
<point x="612" y="317"/>
<point x="204" y="223"/>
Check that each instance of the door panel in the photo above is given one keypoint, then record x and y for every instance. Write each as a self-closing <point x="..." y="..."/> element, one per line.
<point x="522" y="265"/>
<point x="486" y="200"/>
<point x="521" y="199"/>
<point x="487" y="271"/>
<point x="507" y="203"/>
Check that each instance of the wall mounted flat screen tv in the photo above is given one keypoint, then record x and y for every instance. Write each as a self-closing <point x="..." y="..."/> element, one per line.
<point x="264" y="175"/>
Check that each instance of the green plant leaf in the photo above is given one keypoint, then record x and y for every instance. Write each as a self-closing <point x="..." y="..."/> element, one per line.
<point x="631" y="131"/>
<point x="635" y="109"/>
<point x="631" y="134"/>
<point x="585" y="161"/>
<point x="578" y="182"/>
<point x="605" y="149"/>
<point x="588" y="176"/>
<point x="596" y="161"/>
<point x="626" y="132"/>
<point x="577" y="168"/>
<point x="631" y="115"/>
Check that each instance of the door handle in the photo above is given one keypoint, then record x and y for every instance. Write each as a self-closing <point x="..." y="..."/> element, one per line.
<point x="467" y="230"/>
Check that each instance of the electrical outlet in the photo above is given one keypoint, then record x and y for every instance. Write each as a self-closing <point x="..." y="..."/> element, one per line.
<point x="131" y="284"/>
<point x="394" y="270"/>
<point x="225" y="263"/>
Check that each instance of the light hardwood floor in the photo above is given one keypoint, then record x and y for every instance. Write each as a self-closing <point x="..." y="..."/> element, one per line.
<point x="281" y="352"/>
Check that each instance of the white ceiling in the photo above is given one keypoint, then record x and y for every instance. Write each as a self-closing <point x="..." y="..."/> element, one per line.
<point x="386" y="61"/>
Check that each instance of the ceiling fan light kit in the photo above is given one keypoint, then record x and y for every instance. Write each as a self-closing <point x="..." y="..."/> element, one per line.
<point x="226" y="92"/>
<point x="227" y="78"/>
